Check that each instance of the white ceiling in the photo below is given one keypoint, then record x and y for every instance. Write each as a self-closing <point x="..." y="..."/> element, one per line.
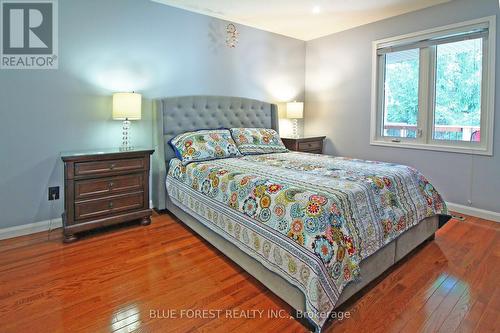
<point x="302" y="19"/>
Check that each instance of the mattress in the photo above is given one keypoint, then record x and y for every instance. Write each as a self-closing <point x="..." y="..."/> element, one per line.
<point x="310" y="218"/>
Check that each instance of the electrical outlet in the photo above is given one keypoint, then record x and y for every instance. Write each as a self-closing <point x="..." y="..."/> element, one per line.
<point x="54" y="193"/>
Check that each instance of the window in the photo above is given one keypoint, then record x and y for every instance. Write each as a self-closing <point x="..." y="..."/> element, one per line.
<point x="435" y="89"/>
<point x="401" y="94"/>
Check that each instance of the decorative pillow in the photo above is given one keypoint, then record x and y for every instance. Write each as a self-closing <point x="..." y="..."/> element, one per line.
<point x="257" y="141"/>
<point x="204" y="145"/>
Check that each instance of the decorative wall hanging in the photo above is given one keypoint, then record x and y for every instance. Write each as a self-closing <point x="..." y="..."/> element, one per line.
<point x="232" y="35"/>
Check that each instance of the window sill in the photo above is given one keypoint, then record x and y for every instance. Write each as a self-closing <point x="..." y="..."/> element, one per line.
<point x="443" y="148"/>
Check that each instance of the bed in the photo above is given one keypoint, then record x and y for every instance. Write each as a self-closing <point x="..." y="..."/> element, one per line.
<point x="340" y="240"/>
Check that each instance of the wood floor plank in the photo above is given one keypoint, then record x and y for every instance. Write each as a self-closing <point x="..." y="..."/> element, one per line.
<point x="489" y="321"/>
<point x="112" y="280"/>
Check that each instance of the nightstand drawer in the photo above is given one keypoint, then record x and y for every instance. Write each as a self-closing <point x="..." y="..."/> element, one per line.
<point x="102" y="167"/>
<point x="110" y="205"/>
<point x="106" y="186"/>
<point x="311" y="145"/>
<point x="305" y="145"/>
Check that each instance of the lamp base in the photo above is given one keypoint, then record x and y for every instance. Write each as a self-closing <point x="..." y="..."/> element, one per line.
<point x="127" y="148"/>
<point x="295" y="133"/>
<point x="125" y="135"/>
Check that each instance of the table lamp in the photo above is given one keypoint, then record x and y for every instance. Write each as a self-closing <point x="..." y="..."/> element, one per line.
<point x="126" y="107"/>
<point x="294" y="111"/>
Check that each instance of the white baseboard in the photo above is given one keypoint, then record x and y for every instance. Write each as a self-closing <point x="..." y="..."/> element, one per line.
<point x="31" y="228"/>
<point x="476" y="212"/>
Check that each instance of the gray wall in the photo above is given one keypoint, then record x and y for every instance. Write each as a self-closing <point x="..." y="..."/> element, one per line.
<point x="109" y="46"/>
<point x="338" y="92"/>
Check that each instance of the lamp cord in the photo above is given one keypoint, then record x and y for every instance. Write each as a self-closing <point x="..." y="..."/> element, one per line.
<point x="51" y="214"/>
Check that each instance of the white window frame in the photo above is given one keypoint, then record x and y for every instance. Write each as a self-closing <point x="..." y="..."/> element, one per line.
<point x="424" y="138"/>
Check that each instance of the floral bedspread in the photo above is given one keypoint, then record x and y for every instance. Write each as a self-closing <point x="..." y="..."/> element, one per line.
<point x="331" y="212"/>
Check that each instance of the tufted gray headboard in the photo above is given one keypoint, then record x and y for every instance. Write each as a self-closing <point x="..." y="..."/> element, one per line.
<point x="176" y="115"/>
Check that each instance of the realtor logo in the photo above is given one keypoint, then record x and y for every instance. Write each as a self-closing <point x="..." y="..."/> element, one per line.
<point x="29" y="34"/>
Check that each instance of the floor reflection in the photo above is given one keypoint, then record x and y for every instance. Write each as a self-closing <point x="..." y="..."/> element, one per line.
<point x="126" y="319"/>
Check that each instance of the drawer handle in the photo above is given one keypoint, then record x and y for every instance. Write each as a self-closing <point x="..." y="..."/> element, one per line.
<point x="112" y="166"/>
<point x="111" y="184"/>
<point x="310" y="145"/>
<point x="110" y="205"/>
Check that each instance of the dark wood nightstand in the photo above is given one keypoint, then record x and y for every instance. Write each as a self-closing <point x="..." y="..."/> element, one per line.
<point x="306" y="145"/>
<point x="105" y="187"/>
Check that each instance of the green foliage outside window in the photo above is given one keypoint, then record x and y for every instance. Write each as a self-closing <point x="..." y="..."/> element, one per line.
<point x="458" y="86"/>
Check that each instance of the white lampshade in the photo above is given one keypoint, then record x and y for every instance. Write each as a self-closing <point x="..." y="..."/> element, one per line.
<point x="295" y="110"/>
<point x="127" y="106"/>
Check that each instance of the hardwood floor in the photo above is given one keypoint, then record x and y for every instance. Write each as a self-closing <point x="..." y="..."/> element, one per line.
<point x="120" y="280"/>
